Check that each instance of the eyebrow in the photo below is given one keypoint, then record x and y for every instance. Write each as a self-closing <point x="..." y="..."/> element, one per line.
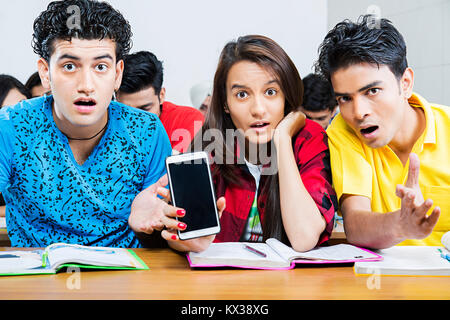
<point x="370" y="85"/>
<point x="68" y="56"/>
<point x="146" y="105"/>
<point x="239" y="86"/>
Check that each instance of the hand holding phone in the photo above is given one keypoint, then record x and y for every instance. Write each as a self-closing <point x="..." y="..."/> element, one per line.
<point x="191" y="245"/>
<point x="151" y="211"/>
<point x="192" y="189"/>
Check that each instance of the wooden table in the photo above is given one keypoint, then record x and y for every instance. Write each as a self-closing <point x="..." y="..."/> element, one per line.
<point x="170" y="277"/>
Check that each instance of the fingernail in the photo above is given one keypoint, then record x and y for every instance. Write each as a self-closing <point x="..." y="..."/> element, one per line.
<point x="174" y="237"/>
<point x="181" y="225"/>
<point x="181" y="212"/>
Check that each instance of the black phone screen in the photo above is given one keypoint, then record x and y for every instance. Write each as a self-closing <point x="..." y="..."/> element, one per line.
<point x="192" y="191"/>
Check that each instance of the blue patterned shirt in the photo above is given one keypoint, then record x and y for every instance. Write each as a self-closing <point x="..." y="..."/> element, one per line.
<point x="51" y="198"/>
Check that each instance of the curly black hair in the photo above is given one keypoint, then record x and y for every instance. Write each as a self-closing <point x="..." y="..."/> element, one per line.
<point x="370" y="39"/>
<point x="83" y="19"/>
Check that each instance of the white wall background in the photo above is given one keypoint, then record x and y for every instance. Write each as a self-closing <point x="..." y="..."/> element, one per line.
<point x="189" y="35"/>
<point x="425" y="25"/>
<point x="186" y="35"/>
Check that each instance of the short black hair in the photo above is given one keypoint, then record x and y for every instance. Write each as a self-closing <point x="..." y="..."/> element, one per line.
<point x="7" y="83"/>
<point x="91" y="20"/>
<point x="33" y="81"/>
<point x="142" y="70"/>
<point x="370" y="40"/>
<point x="318" y="94"/>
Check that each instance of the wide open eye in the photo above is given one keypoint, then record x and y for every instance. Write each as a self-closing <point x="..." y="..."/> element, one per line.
<point x="69" y="67"/>
<point x="242" y="95"/>
<point x="101" y="67"/>
<point x="271" y="92"/>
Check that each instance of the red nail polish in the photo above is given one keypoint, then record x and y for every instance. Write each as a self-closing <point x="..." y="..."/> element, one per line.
<point x="174" y="237"/>
<point x="181" y="225"/>
<point x="181" y="212"/>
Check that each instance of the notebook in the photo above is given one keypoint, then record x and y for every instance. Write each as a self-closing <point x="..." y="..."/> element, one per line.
<point x="407" y="260"/>
<point x="277" y="255"/>
<point x="58" y="255"/>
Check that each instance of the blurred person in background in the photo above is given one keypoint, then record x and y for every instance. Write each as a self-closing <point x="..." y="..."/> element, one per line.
<point x="12" y="91"/>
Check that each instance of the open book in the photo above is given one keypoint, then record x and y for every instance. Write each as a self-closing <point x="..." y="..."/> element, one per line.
<point x="408" y="260"/>
<point x="59" y="255"/>
<point x="277" y="255"/>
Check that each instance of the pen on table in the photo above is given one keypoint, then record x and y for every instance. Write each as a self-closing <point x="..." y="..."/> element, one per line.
<point x="253" y="250"/>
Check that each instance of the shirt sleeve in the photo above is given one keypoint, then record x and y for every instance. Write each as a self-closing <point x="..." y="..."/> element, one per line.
<point x="352" y="174"/>
<point x="190" y="122"/>
<point x="313" y="160"/>
<point x="6" y="148"/>
<point x="160" y="149"/>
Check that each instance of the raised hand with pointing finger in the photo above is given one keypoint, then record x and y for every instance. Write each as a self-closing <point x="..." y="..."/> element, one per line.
<point x="414" y="223"/>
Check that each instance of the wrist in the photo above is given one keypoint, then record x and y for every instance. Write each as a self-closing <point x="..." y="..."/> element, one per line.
<point x="398" y="231"/>
<point x="280" y="137"/>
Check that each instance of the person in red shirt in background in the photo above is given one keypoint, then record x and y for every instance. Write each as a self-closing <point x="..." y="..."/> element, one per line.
<point x="142" y="88"/>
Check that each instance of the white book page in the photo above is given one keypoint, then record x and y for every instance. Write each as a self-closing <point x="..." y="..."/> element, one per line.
<point x="337" y="252"/>
<point x="20" y="261"/>
<point x="227" y="251"/>
<point x="60" y="253"/>
<point x="409" y="258"/>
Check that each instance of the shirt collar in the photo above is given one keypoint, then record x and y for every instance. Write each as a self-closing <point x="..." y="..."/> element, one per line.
<point x="430" y="130"/>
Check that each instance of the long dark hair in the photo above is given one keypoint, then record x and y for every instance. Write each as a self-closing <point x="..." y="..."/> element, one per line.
<point x="269" y="55"/>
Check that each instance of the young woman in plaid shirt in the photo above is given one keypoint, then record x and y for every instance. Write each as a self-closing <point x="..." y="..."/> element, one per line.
<point x="274" y="169"/>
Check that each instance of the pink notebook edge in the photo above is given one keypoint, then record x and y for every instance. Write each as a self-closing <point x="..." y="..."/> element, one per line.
<point x="193" y="265"/>
<point x="376" y="258"/>
<point x="293" y="262"/>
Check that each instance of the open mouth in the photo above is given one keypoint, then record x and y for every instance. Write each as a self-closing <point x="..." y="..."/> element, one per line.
<point x="367" y="131"/>
<point x="85" y="105"/>
<point x="259" y="125"/>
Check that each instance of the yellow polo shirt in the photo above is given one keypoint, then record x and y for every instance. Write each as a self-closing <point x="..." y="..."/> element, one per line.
<point x="374" y="173"/>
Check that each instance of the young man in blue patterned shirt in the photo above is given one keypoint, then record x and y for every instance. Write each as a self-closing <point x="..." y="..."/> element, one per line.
<point x="77" y="167"/>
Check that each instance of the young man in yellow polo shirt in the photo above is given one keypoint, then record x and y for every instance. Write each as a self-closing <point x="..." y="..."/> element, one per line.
<point x="390" y="148"/>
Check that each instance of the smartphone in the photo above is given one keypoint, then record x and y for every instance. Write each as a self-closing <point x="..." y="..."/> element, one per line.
<point x="191" y="188"/>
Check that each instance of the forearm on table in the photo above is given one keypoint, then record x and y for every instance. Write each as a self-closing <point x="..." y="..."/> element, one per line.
<point x="372" y="229"/>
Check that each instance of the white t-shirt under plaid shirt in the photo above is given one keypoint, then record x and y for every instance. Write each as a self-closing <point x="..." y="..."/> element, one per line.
<point x="253" y="229"/>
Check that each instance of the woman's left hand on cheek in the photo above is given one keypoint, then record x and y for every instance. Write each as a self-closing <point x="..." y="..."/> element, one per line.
<point x="291" y="123"/>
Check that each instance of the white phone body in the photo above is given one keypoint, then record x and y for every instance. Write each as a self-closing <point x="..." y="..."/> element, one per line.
<point x="192" y="189"/>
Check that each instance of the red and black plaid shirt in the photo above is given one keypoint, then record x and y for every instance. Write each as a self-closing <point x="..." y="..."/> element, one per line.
<point x="313" y="160"/>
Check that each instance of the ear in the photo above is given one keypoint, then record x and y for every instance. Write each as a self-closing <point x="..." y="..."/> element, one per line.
<point x="44" y="73"/>
<point x="407" y="83"/>
<point x="119" y="74"/>
<point x="226" y="109"/>
<point x="162" y="95"/>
